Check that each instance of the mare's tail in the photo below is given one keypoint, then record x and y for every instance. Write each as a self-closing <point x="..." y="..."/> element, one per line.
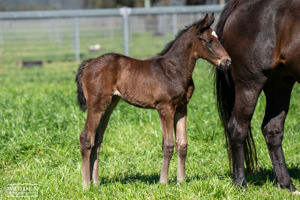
<point x="80" y="94"/>
<point x="225" y="96"/>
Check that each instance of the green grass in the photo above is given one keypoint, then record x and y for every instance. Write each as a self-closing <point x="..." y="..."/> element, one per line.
<point x="40" y="124"/>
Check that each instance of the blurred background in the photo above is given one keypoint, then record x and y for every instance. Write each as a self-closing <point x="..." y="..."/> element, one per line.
<point x="35" y="32"/>
<point x="13" y="5"/>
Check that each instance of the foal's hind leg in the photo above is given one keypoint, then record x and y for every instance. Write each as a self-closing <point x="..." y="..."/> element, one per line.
<point x="166" y="116"/>
<point x="87" y="143"/>
<point x="278" y="94"/>
<point x="99" y="137"/>
<point x="181" y="141"/>
<point x="90" y="139"/>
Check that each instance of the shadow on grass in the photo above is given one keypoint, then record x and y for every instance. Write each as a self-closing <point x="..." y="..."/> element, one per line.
<point x="145" y="178"/>
<point x="257" y="179"/>
<point x="130" y="178"/>
<point x="260" y="178"/>
<point x="266" y="175"/>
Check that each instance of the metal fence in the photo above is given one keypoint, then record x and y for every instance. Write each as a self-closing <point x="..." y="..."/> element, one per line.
<point x="70" y="35"/>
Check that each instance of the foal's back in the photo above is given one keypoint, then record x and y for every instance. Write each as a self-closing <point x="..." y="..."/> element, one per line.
<point x="142" y="83"/>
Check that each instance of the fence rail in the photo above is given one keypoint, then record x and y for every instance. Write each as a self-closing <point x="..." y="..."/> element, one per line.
<point x="71" y="31"/>
<point x="109" y="12"/>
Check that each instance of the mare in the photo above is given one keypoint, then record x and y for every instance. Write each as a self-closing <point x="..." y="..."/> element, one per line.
<point x="262" y="37"/>
<point x="163" y="83"/>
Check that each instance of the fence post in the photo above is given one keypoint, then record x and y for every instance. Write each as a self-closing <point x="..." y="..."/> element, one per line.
<point x="174" y="19"/>
<point x="1" y="32"/>
<point x="76" y="39"/>
<point x="50" y="23"/>
<point x="125" y="12"/>
<point x="165" y="28"/>
<point x="58" y="32"/>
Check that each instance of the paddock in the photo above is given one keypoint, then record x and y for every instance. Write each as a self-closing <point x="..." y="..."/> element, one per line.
<point x="40" y="123"/>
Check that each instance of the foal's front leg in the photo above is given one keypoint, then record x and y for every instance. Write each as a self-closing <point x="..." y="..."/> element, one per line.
<point x="181" y="142"/>
<point x="166" y="116"/>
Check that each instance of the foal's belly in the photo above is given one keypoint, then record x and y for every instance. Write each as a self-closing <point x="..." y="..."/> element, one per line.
<point x="139" y="95"/>
<point x="146" y="89"/>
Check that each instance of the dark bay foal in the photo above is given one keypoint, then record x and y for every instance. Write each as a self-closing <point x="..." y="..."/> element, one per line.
<point x="163" y="83"/>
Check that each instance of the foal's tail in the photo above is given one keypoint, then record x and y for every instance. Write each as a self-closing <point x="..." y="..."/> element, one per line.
<point x="225" y="95"/>
<point x="80" y="94"/>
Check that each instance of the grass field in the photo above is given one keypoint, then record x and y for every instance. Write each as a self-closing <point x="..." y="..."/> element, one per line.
<point x="40" y="124"/>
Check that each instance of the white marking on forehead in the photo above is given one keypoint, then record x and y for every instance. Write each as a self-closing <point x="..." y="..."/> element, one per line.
<point x="213" y="33"/>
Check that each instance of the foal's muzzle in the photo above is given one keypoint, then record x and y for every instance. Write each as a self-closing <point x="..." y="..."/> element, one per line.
<point x="225" y="64"/>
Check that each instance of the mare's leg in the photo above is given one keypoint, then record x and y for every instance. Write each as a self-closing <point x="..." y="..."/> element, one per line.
<point x="99" y="137"/>
<point x="246" y="96"/>
<point x="166" y="116"/>
<point x="278" y="93"/>
<point x="96" y="109"/>
<point x="181" y="141"/>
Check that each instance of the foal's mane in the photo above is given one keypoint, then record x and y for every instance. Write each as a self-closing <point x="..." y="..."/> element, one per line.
<point x="200" y="23"/>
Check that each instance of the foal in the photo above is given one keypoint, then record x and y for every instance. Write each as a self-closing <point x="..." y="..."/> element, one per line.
<point x="163" y="83"/>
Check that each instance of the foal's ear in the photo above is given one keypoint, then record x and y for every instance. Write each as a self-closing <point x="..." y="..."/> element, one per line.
<point x="205" y="23"/>
<point x="211" y="20"/>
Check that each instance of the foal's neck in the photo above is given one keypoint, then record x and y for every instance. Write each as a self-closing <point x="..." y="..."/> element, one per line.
<point x="183" y="55"/>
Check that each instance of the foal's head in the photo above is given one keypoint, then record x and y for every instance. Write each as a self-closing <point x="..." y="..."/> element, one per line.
<point x="207" y="46"/>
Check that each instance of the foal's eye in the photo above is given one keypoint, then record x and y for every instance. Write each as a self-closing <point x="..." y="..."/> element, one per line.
<point x="208" y="42"/>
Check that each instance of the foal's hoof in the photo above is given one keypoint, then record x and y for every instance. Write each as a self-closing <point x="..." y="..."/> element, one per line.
<point x="296" y="193"/>
<point x="86" y="187"/>
<point x="163" y="182"/>
<point x="180" y="180"/>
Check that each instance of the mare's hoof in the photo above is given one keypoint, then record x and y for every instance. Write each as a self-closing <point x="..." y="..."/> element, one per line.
<point x="240" y="183"/>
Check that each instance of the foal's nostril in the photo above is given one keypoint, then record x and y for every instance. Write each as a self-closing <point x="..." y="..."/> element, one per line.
<point x="228" y="62"/>
<point x="225" y="64"/>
